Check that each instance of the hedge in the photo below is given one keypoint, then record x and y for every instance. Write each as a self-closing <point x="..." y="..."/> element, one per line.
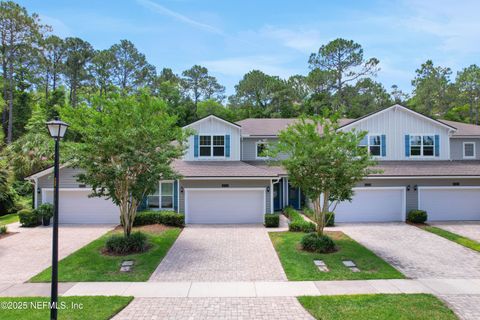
<point x="168" y="218"/>
<point x="29" y="218"/>
<point x="272" y="220"/>
<point x="297" y="223"/>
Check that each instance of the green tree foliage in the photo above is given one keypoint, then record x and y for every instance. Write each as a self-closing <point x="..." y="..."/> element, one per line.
<point x="342" y="62"/>
<point x="208" y="107"/>
<point x="432" y="89"/>
<point x="101" y="69"/>
<point x="127" y="144"/>
<point x="199" y="85"/>
<point x="33" y="151"/>
<point x="130" y="69"/>
<point x="19" y="36"/>
<point x="322" y="160"/>
<point x="468" y="84"/>
<point x="78" y="55"/>
<point x="52" y="61"/>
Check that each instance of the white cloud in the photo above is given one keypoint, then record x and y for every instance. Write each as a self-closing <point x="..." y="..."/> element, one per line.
<point x="58" y="26"/>
<point x="301" y="39"/>
<point x="178" y="16"/>
<point x="455" y="23"/>
<point x="238" y="66"/>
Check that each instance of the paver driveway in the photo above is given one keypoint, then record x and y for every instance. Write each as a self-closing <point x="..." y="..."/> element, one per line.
<point x="469" y="229"/>
<point x="28" y="252"/>
<point x="415" y="252"/>
<point x="277" y="308"/>
<point x="221" y="253"/>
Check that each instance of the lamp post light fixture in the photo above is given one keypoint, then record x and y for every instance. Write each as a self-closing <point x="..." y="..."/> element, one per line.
<point x="57" y="130"/>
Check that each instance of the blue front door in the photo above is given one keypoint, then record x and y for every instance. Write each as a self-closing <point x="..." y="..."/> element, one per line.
<point x="294" y="197"/>
<point x="277" y="196"/>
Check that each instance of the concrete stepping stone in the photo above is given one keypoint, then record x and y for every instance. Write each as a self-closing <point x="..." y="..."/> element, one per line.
<point x="126" y="266"/>
<point x="349" y="263"/>
<point x="321" y="265"/>
<point x="127" y="263"/>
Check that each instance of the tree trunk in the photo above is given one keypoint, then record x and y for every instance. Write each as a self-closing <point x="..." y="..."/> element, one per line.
<point x="10" y="104"/>
<point x="319" y="218"/>
<point x="5" y="91"/>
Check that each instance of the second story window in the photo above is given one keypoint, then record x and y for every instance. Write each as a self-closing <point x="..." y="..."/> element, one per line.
<point x="422" y="146"/>
<point x="373" y="143"/>
<point x="212" y="146"/>
<point x="260" y="150"/>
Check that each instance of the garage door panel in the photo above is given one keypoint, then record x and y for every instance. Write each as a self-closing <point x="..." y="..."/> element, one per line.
<point x="372" y="205"/>
<point x="76" y="207"/>
<point x="225" y="206"/>
<point x="450" y="203"/>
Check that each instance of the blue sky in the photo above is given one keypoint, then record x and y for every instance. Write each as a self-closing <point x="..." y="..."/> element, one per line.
<point x="231" y="37"/>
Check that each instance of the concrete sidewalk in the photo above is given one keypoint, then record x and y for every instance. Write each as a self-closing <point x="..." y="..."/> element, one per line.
<point x="248" y="289"/>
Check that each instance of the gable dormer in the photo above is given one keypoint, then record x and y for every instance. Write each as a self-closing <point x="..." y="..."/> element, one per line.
<point x="399" y="133"/>
<point x="215" y="139"/>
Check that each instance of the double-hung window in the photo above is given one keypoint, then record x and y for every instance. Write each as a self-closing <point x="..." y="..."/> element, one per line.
<point x="373" y="143"/>
<point x="469" y="150"/>
<point x="261" y="147"/>
<point x="422" y="145"/>
<point x="212" y="145"/>
<point x="162" y="198"/>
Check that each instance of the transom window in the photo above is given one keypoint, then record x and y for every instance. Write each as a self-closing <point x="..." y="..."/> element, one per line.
<point x="163" y="196"/>
<point x="261" y="148"/>
<point x="373" y="143"/>
<point x="422" y="146"/>
<point x="212" y="146"/>
<point x="469" y="150"/>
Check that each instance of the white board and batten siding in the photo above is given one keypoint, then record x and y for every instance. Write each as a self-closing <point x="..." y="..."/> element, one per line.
<point x="450" y="203"/>
<point x="395" y="123"/>
<point x="214" y="126"/>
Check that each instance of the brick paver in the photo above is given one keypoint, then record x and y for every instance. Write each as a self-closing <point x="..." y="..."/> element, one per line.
<point x="469" y="229"/>
<point x="415" y="252"/>
<point x="221" y="253"/>
<point x="29" y="251"/>
<point x="467" y="307"/>
<point x="284" y="308"/>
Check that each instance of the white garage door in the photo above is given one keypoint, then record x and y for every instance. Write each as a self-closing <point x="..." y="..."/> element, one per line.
<point x="232" y="205"/>
<point x="373" y="204"/>
<point x="76" y="207"/>
<point x="450" y="203"/>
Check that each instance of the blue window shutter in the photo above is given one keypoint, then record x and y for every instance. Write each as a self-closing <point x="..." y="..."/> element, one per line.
<point x="407" y="145"/>
<point x="384" y="145"/>
<point x="195" y="146"/>
<point x="175" y="195"/>
<point x="437" y="145"/>
<point x="227" y="146"/>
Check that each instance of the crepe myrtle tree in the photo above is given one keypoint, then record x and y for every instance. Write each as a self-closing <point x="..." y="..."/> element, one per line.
<point x="127" y="144"/>
<point x="324" y="162"/>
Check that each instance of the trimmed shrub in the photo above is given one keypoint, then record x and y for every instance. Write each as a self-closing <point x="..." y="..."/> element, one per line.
<point x="3" y="229"/>
<point x="28" y="218"/>
<point x="168" y="218"/>
<point x="329" y="216"/>
<point x="121" y="245"/>
<point x="272" y="220"/>
<point x="315" y="243"/>
<point x="45" y="212"/>
<point x="417" y="216"/>
<point x="297" y="223"/>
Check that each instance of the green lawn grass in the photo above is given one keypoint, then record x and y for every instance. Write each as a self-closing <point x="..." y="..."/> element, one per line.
<point x="298" y="264"/>
<point x="377" y="307"/>
<point x="93" y="308"/>
<point x="466" y="242"/>
<point x="89" y="264"/>
<point x="8" y="218"/>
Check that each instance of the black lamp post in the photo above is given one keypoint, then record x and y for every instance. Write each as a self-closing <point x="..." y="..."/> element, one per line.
<point x="57" y="130"/>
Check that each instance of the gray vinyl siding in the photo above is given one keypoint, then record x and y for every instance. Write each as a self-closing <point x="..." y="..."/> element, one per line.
<point x="412" y="195"/>
<point x="456" y="148"/>
<point x="249" y="148"/>
<point x="218" y="184"/>
<point x="67" y="179"/>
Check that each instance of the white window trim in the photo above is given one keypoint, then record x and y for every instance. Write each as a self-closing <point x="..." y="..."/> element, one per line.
<point x="421" y="145"/>
<point x="474" y="150"/>
<point x="368" y="144"/>
<point x="211" y="156"/>
<point x="160" y="195"/>
<point x="257" y="157"/>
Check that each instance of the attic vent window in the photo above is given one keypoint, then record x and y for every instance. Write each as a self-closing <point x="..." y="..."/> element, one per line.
<point x="82" y="186"/>
<point x="368" y="184"/>
<point x="456" y="183"/>
<point x="225" y="185"/>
